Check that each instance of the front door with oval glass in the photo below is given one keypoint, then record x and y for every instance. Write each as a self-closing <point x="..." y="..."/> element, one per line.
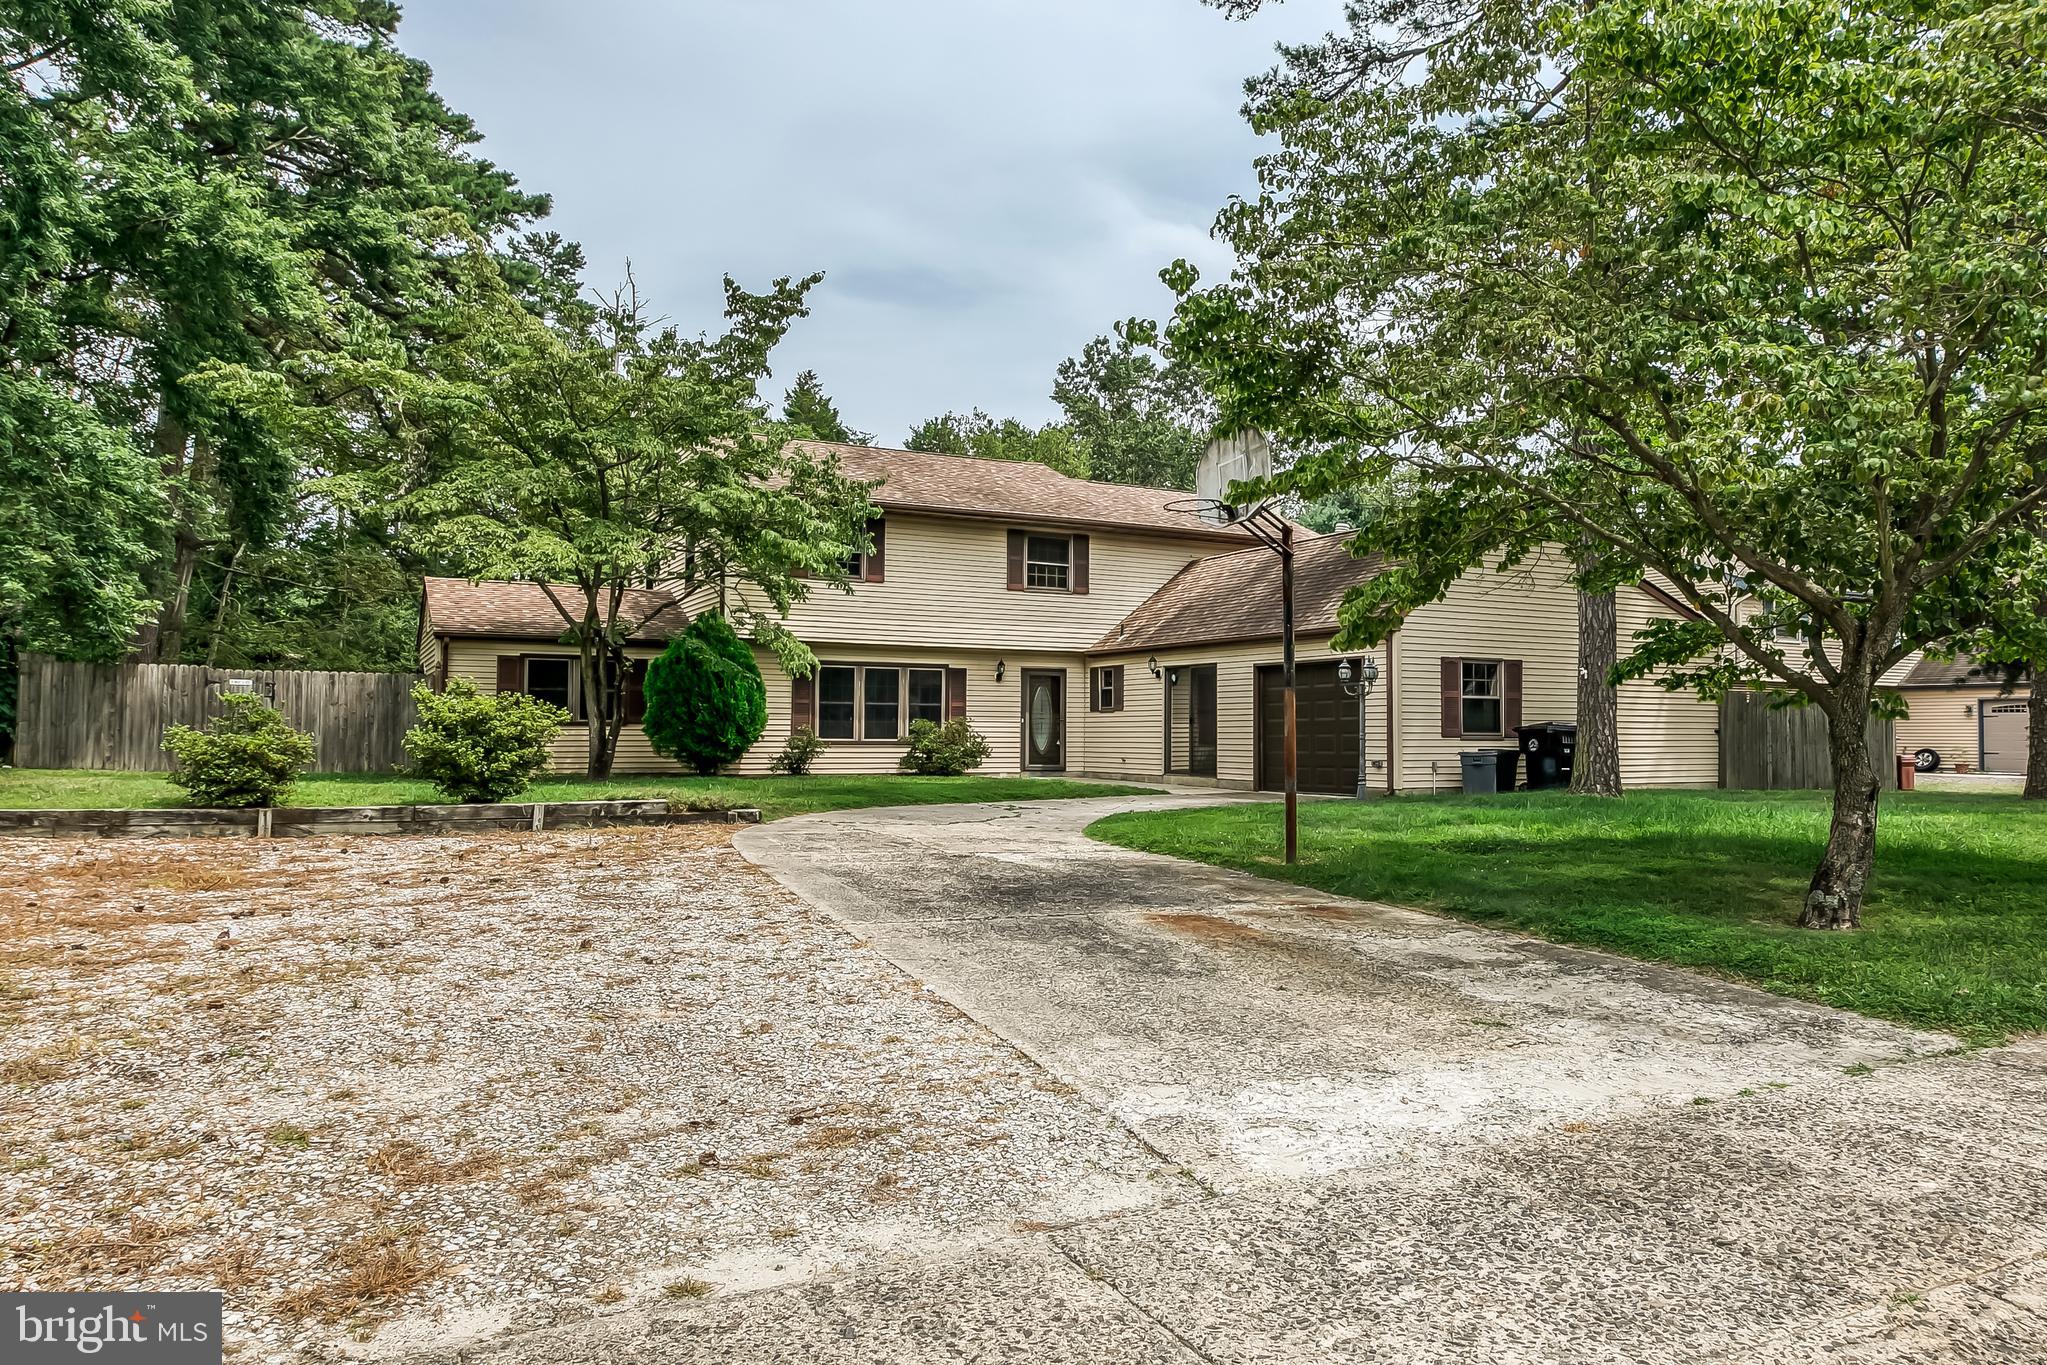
<point x="1044" y="718"/>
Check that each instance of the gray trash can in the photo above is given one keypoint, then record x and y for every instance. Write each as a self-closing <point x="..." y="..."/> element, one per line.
<point x="1481" y="771"/>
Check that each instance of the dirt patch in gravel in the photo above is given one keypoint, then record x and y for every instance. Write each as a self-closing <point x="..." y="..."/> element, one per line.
<point x="391" y="1093"/>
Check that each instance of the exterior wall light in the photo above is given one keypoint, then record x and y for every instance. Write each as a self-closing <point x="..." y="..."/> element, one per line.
<point x="1000" y="669"/>
<point x="1153" y="664"/>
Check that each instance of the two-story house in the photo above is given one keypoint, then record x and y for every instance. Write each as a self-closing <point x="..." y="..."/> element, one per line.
<point x="1086" y="628"/>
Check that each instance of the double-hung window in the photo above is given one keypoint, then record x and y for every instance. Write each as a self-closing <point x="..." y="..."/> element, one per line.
<point x="1108" y="689"/>
<point x="552" y="679"/>
<point x="1048" y="562"/>
<point x="1484" y="701"/>
<point x="837" y="711"/>
<point x="927" y="695"/>
<point x="883" y="689"/>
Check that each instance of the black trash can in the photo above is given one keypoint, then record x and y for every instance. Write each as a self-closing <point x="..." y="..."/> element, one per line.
<point x="1548" y="749"/>
<point x="1481" y="768"/>
<point x="1509" y="768"/>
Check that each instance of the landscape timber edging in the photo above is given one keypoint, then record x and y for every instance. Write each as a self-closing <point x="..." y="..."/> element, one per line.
<point x="313" y="821"/>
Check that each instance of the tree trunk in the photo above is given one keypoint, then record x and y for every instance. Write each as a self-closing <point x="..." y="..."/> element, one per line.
<point x="1834" y="900"/>
<point x="597" y="711"/>
<point x="227" y="587"/>
<point x="2036" y="736"/>
<point x="1596" y="771"/>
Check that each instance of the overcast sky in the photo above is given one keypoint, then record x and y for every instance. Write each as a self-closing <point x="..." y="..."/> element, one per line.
<point x="986" y="183"/>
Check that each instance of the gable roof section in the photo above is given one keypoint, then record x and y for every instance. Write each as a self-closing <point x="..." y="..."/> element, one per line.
<point x="1238" y="597"/>
<point x="522" y="611"/>
<point x="1014" y="491"/>
<point x="1961" y="672"/>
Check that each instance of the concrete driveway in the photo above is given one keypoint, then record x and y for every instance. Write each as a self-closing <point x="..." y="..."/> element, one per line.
<point x="1406" y="1139"/>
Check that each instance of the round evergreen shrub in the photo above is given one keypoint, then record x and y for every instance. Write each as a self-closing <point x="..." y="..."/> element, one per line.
<point x="706" y="703"/>
<point x="481" y="747"/>
<point x="247" y="756"/>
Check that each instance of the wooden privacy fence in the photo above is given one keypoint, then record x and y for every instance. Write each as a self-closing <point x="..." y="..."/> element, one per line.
<point x="1786" y="749"/>
<point x="112" y="716"/>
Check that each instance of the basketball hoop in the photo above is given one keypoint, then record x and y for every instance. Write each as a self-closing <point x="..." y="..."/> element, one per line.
<point x="1229" y="460"/>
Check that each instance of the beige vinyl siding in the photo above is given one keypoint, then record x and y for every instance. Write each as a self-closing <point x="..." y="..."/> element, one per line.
<point x="1530" y="614"/>
<point x="945" y="587"/>
<point x="994" y="709"/>
<point x="1130" y="743"/>
<point x="430" y="650"/>
<point x="477" y="660"/>
<point x="1667" y="739"/>
<point x="1947" y="720"/>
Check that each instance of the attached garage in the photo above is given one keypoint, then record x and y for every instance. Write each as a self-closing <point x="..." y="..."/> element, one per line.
<point x="2004" y="735"/>
<point x="1327" y="721"/>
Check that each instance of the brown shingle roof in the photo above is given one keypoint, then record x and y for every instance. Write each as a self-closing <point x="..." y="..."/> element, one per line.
<point x="1237" y="597"/>
<point x="1013" y="490"/>
<point x="522" y="611"/>
<point x="1962" y="672"/>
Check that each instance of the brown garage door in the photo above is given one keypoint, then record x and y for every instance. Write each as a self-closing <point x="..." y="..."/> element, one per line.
<point x="1328" y="727"/>
<point x="2004" y="735"/>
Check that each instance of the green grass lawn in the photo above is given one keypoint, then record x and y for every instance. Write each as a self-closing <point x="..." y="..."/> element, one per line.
<point x="1955" y="927"/>
<point x="32" y="789"/>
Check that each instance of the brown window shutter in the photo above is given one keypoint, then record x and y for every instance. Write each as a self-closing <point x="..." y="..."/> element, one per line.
<point x="955" y="693"/>
<point x="803" y="703"/>
<point x="1511" y="708"/>
<point x="1453" y="699"/>
<point x="1118" y="680"/>
<point x="879" y="531"/>
<point x="511" y="673"/>
<point x="633" y="699"/>
<point x="1094" y="688"/>
<point x="1016" y="561"/>
<point x="1078" y="574"/>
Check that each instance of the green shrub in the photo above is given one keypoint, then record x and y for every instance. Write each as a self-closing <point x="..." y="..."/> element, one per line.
<point x="799" y="753"/>
<point x="248" y="756"/>
<point x="706" y="703"/>
<point x="944" y="750"/>
<point x="481" y="746"/>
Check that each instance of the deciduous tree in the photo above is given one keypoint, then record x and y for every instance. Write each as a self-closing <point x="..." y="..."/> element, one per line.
<point x="1748" y="293"/>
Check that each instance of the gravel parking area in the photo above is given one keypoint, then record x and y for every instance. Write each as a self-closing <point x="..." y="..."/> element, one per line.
<point x="396" y="1093"/>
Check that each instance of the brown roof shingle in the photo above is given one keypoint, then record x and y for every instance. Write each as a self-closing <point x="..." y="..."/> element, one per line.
<point x="522" y="611"/>
<point x="1962" y="672"/>
<point x="1013" y="490"/>
<point x="1237" y="597"/>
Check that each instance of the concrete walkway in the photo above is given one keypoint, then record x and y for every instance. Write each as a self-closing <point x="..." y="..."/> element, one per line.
<point x="1408" y="1139"/>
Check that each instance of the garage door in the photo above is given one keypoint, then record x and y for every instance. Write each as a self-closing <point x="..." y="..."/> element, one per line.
<point x="1328" y="726"/>
<point x="2004" y="735"/>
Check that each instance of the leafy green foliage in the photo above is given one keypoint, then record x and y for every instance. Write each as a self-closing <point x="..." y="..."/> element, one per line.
<point x="706" y="703"/>
<point x="1745" y="294"/>
<point x="190" y="185"/>
<point x="481" y="746"/>
<point x="591" y="450"/>
<point x="807" y="406"/>
<point x="944" y="750"/>
<point x="1141" y="421"/>
<point x="799" y="751"/>
<point x="248" y="756"/>
<point x="981" y="437"/>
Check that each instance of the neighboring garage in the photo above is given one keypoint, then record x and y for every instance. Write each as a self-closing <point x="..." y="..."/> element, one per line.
<point x="1962" y="716"/>
<point x="2004" y="735"/>
<point x="1327" y="718"/>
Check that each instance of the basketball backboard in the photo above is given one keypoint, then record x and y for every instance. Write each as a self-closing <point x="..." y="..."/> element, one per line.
<point x="1228" y="460"/>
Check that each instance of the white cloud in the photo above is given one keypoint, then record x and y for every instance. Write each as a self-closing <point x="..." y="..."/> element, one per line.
<point x="987" y="183"/>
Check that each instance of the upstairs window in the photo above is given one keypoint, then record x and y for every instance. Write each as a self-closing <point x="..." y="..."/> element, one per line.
<point x="1048" y="562"/>
<point x="1484" y="702"/>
